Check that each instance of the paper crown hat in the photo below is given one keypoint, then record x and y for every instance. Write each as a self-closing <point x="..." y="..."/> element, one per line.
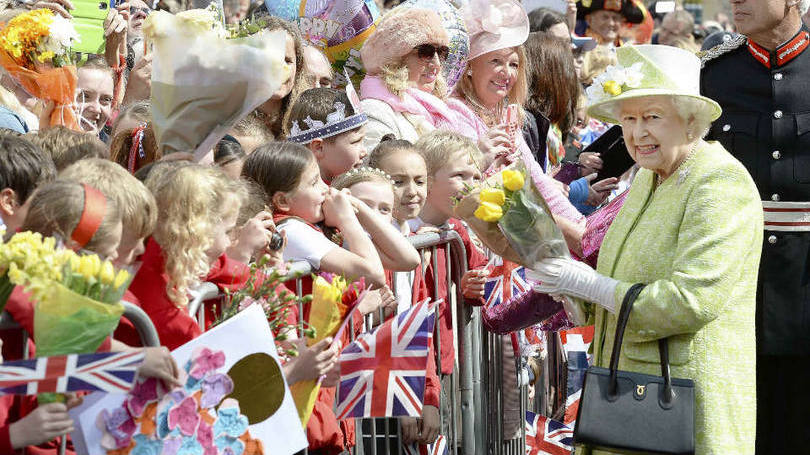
<point x="647" y="70"/>
<point x="495" y="24"/>
<point x="632" y="13"/>
<point x="337" y="121"/>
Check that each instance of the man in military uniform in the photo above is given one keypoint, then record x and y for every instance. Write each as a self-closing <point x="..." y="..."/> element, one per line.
<point x="761" y="78"/>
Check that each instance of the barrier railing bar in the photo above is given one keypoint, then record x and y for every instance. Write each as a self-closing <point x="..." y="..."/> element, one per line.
<point x="143" y="325"/>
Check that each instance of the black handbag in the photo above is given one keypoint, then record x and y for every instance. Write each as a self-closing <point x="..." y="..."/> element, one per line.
<point x="628" y="412"/>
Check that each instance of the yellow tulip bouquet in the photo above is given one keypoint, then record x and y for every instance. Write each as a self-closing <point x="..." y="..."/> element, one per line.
<point x="510" y="216"/>
<point x="76" y="298"/>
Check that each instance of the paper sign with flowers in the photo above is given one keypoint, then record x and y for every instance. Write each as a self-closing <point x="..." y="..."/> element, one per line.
<point x="234" y="400"/>
<point x="614" y="81"/>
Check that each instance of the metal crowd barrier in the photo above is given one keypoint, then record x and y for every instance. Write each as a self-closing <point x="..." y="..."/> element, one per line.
<point x="475" y="399"/>
<point x="143" y="325"/>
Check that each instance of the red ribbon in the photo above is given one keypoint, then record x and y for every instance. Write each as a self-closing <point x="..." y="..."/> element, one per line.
<point x="95" y="206"/>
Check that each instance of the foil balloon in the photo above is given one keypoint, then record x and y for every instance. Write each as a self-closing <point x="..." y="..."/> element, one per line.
<point x="338" y="27"/>
<point x="453" y="22"/>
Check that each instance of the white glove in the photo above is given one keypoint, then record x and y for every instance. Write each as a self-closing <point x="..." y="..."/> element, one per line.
<point x="574" y="278"/>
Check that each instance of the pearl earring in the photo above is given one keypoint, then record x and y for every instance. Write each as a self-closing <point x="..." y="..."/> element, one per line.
<point x="469" y="72"/>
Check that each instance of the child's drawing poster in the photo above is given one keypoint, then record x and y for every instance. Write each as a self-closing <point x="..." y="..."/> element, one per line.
<point x="234" y="401"/>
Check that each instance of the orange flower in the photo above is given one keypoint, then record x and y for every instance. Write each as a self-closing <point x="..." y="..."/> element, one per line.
<point x="124" y="451"/>
<point x="147" y="419"/>
<point x="252" y="446"/>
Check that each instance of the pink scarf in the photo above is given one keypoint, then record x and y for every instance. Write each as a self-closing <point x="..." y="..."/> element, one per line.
<point x="413" y="101"/>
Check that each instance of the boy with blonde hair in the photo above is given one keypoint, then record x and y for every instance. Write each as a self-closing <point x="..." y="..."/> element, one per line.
<point x="452" y="161"/>
<point x="135" y="201"/>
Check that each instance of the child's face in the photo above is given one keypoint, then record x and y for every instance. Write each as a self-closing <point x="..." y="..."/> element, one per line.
<point x="377" y="195"/>
<point x="306" y="200"/>
<point x="130" y="248"/>
<point x="449" y="181"/>
<point x="222" y="236"/>
<point x="409" y="173"/>
<point x="110" y="250"/>
<point x="342" y="153"/>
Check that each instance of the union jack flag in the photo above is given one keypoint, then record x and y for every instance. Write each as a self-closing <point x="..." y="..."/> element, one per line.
<point x="505" y="280"/>
<point x="383" y="372"/>
<point x="576" y="343"/>
<point x="439" y="447"/>
<point x="104" y="372"/>
<point x="545" y="436"/>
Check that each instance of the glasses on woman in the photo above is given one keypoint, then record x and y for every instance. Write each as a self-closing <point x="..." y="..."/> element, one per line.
<point x="427" y="51"/>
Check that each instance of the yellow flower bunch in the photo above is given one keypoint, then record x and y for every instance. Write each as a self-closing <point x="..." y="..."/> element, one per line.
<point x="37" y="35"/>
<point x="324" y="291"/>
<point x="89" y="276"/>
<point x="28" y="254"/>
<point x="493" y="200"/>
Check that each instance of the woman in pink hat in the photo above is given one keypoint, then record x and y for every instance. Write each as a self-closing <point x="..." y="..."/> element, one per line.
<point x="404" y="89"/>
<point x="495" y="77"/>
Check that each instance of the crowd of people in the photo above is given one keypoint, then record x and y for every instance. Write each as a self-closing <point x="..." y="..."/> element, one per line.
<point x="346" y="178"/>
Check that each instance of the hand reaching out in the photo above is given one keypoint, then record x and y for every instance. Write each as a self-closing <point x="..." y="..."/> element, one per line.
<point x="41" y="425"/>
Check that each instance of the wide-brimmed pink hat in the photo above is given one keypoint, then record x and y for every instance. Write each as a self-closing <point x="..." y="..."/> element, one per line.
<point x="495" y="24"/>
<point x="398" y="32"/>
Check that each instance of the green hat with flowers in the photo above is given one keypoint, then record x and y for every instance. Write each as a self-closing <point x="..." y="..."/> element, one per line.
<point x="647" y="70"/>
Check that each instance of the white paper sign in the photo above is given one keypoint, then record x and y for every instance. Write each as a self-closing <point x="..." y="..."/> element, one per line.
<point x="246" y="333"/>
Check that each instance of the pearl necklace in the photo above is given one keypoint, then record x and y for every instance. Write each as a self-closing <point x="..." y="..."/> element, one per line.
<point x="682" y="173"/>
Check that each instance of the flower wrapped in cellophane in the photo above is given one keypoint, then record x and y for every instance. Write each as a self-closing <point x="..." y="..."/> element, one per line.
<point x="332" y="300"/>
<point x="76" y="306"/>
<point x="204" y="81"/>
<point x="35" y="51"/>
<point x="511" y="218"/>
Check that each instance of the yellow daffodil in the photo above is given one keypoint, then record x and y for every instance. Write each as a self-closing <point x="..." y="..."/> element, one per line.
<point x="86" y="267"/>
<point x="493" y="195"/>
<point x="107" y="274"/>
<point x="488" y="212"/>
<point x="512" y="180"/>
<point x="121" y="278"/>
<point x="612" y="88"/>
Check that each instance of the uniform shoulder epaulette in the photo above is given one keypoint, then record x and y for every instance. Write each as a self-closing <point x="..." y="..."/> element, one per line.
<point x="720" y="49"/>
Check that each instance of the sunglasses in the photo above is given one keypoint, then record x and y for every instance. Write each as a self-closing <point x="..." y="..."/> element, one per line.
<point x="427" y="51"/>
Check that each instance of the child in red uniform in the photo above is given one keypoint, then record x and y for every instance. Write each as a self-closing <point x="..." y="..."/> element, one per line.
<point x="290" y="177"/>
<point x="452" y="161"/>
<point x="138" y="215"/>
<point x="197" y="209"/>
<point x="376" y="189"/>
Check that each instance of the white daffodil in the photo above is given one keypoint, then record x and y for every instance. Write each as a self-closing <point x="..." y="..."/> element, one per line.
<point x="633" y="75"/>
<point x="595" y="92"/>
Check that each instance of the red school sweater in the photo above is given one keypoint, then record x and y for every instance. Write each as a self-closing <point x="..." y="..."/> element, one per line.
<point x="475" y="260"/>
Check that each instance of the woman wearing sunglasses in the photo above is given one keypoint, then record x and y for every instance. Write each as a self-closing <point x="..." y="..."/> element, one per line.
<point x="404" y="90"/>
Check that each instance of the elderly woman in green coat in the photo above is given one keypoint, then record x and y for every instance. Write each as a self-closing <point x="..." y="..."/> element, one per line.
<point x="691" y="230"/>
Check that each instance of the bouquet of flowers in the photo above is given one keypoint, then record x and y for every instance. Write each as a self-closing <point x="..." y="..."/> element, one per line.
<point x="203" y="81"/>
<point x="35" y="50"/>
<point x="508" y="213"/>
<point x="332" y="301"/>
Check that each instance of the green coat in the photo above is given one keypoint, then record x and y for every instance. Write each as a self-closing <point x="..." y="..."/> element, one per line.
<point x="695" y="241"/>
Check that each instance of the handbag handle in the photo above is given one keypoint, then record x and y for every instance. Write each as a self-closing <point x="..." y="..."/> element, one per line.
<point x="663" y="348"/>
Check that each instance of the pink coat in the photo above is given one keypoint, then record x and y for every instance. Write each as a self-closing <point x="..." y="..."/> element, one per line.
<point x="471" y="125"/>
